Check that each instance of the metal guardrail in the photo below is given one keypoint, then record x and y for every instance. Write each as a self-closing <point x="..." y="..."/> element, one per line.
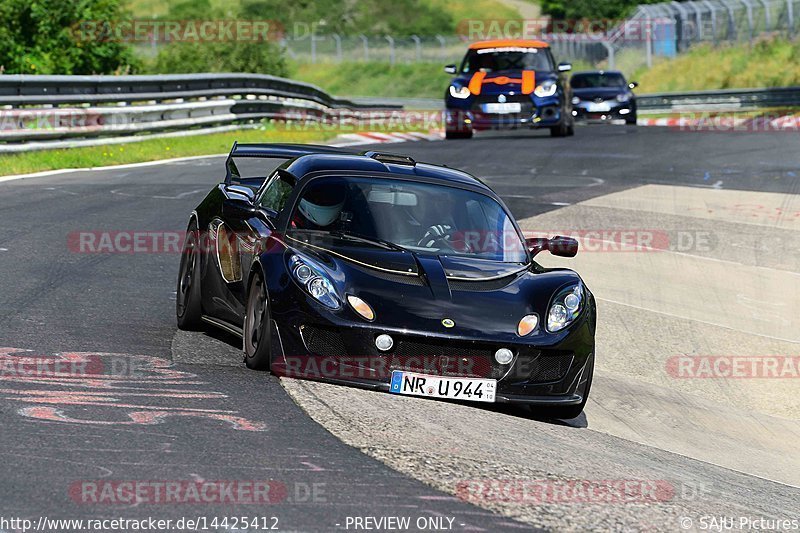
<point x="722" y="100"/>
<point x="45" y="108"/>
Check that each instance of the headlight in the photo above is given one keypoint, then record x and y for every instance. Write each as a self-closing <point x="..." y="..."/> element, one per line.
<point x="624" y="97"/>
<point x="315" y="282"/>
<point x="547" y="88"/>
<point x="459" y="92"/>
<point x="576" y="100"/>
<point x="566" y="307"/>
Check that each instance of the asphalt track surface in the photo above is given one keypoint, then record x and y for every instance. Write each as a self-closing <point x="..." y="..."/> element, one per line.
<point x="208" y="418"/>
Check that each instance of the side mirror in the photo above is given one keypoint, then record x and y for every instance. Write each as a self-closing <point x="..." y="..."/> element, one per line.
<point x="564" y="67"/>
<point x="559" y="246"/>
<point x="450" y="69"/>
<point x="239" y="201"/>
<point x="240" y="192"/>
<point x="633" y="84"/>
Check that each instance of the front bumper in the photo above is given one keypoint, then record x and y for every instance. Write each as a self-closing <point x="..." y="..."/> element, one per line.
<point x="612" y="111"/>
<point x="540" y="374"/>
<point x="534" y="113"/>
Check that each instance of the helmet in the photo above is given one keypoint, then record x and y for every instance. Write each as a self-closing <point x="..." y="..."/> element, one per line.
<point x="322" y="202"/>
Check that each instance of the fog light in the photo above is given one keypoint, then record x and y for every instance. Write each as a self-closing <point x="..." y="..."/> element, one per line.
<point x="503" y="356"/>
<point x="384" y="342"/>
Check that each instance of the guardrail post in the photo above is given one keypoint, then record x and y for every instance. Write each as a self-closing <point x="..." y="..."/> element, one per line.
<point x="390" y="39"/>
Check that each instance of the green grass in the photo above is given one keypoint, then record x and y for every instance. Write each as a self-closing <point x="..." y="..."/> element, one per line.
<point x="768" y="63"/>
<point x="416" y="80"/>
<point x="155" y="149"/>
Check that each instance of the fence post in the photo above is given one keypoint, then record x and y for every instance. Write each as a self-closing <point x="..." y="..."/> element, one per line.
<point x="365" y="43"/>
<point x="313" y="49"/>
<point x="338" y="39"/>
<point x="612" y="62"/>
<point x="418" y="47"/>
<point x="790" y="16"/>
<point x="767" y="15"/>
<point x="713" y="11"/>
<point x="731" y="21"/>
<point x="749" y="8"/>
<point x="443" y="43"/>
<point x="391" y="49"/>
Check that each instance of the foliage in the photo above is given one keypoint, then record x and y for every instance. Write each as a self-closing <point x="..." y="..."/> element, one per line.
<point x="768" y="63"/>
<point x="591" y="9"/>
<point x="39" y="37"/>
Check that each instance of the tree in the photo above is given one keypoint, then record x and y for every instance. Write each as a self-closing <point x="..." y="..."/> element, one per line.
<point x="41" y="37"/>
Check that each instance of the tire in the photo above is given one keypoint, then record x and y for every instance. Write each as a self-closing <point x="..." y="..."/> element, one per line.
<point x="458" y="134"/>
<point x="571" y="130"/>
<point x="568" y="412"/>
<point x="257" y="330"/>
<point x="559" y="131"/>
<point x="188" y="306"/>
<point x="631" y="121"/>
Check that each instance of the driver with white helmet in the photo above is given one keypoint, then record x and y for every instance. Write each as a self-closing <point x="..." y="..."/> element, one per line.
<point x="321" y="205"/>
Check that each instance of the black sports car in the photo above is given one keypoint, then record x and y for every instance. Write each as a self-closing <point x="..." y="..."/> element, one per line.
<point x="377" y="271"/>
<point x="603" y="96"/>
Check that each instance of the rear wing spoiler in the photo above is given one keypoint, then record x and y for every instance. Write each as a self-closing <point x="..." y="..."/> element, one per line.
<point x="274" y="151"/>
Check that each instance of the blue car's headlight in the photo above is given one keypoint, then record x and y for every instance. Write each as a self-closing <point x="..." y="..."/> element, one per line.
<point x="624" y="97"/>
<point x="547" y="88"/>
<point x="565" y="308"/>
<point x="313" y="279"/>
<point x="459" y="92"/>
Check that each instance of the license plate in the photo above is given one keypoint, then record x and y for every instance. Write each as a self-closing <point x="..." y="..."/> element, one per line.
<point x="498" y="108"/>
<point x="598" y="108"/>
<point x="469" y="389"/>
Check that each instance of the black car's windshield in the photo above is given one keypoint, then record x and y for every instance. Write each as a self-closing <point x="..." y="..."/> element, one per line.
<point x="507" y="58"/>
<point x="598" y="81"/>
<point x="408" y="215"/>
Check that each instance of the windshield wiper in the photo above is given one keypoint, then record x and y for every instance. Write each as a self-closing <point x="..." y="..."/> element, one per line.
<point x="387" y="245"/>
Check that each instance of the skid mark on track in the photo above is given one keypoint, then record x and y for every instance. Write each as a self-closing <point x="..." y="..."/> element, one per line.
<point x="121" y="390"/>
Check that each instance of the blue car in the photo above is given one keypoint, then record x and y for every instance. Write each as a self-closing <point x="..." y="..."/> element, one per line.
<point x="508" y="84"/>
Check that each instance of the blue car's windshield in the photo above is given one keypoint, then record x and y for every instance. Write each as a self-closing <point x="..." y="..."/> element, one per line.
<point x="419" y="217"/>
<point x="598" y="80"/>
<point x="507" y="58"/>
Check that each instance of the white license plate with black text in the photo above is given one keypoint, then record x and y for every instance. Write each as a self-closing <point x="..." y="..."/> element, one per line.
<point x="599" y="108"/>
<point x="454" y="388"/>
<point x="498" y="108"/>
